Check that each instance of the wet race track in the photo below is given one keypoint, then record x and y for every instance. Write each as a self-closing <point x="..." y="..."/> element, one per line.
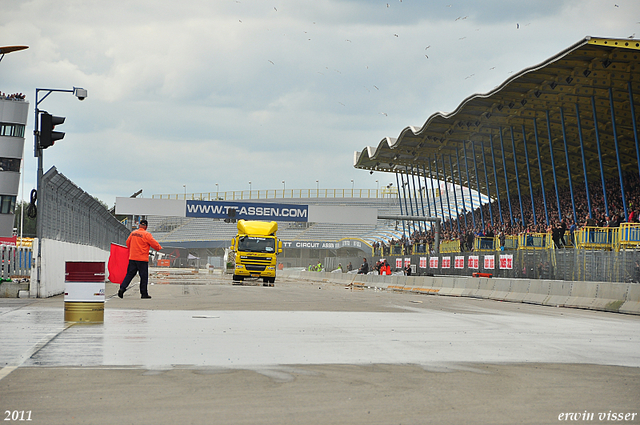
<point x="206" y="351"/>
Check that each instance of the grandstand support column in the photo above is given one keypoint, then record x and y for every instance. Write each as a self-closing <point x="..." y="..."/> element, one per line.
<point x="633" y="121"/>
<point x="584" y="163"/>
<point x="595" y="127"/>
<point x="566" y="154"/>
<point x="446" y="191"/>
<point x="506" y="176"/>
<point x="486" y="180"/>
<point x="435" y="205"/>
<point x="615" y="140"/>
<point x="410" y="225"/>
<point x="475" y="165"/>
<point x="553" y="166"/>
<point x="415" y="198"/>
<point x="404" y="232"/>
<point x="515" y="165"/>
<point x="466" y="167"/>
<point x="544" y="195"/>
<point x="420" y="191"/>
<point x="526" y="158"/>
<point x="426" y="190"/>
<point x="455" y="197"/>
<point x="495" y="177"/>
<point x="464" y="203"/>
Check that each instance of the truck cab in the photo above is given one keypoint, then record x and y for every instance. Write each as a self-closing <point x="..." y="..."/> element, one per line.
<point x="255" y="248"/>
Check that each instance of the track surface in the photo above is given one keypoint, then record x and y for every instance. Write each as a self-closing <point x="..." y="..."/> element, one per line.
<point x="206" y="351"/>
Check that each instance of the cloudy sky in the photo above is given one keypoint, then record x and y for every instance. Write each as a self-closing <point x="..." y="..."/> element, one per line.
<point x="206" y="92"/>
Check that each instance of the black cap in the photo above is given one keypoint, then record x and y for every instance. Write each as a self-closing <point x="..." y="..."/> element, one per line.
<point x="144" y="223"/>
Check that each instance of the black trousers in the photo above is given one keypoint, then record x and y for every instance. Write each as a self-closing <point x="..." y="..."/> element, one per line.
<point x="140" y="267"/>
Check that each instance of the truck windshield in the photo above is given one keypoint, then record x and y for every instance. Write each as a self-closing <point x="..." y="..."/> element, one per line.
<point x="254" y="244"/>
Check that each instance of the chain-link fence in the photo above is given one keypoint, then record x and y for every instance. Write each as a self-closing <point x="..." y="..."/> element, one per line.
<point x="69" y="214"/>
<point x="562" y="264"/>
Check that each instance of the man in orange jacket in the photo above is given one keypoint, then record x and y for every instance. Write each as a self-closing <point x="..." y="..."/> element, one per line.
<point x="138" y="243"/>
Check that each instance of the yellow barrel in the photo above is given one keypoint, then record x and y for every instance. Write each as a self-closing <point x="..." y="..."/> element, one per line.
<point x="83" y="312"/>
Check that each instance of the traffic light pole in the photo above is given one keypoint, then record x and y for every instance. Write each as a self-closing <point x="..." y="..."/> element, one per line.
<point x="38" y="154"/>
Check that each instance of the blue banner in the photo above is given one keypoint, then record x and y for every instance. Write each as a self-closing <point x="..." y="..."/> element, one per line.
<point x="248" y="210"/>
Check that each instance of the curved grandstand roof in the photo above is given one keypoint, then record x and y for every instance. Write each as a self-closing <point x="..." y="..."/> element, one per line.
<point x="567" y="88"/>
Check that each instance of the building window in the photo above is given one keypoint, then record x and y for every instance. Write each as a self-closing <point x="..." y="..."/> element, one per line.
<point x="7" y="204"/>
<point x="10" y="164"/>
<point x="12" y="130"/>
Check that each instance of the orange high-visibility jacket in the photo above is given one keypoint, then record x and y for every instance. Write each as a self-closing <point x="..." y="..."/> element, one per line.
<point x="139" y="242"/>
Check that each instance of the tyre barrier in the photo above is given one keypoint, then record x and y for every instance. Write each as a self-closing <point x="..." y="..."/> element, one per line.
<point x="603" y="296"/>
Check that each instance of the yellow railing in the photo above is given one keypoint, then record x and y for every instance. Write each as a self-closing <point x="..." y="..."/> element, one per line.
<point x="450" y="246"/>
<point x="485" y="244"/>
<point x="534" y="241"/>
<point x="283" y="194"/>
<point x="628" y="236"/>
<point x="596" y="238"/>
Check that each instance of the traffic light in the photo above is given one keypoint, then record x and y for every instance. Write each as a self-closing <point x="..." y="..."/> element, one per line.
<point x="47" y="136"/>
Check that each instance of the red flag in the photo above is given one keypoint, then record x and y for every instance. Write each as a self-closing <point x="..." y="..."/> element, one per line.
<point x="118" y="263"/>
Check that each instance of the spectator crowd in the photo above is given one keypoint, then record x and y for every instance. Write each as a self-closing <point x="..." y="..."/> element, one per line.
<point x="15" y="96"/>
<point x="495" y="221"/>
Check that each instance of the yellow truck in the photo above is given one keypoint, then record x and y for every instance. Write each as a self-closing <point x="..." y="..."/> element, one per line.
<point x="254" y="250"/>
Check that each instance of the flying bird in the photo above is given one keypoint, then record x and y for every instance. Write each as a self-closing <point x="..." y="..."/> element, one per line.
<point x="376" y="87"/>
<point x="395" y="35"/>
<point x="271" y="62"/>
<point x="275" y="9"/>
<point x="517" y="26"/>
<point x="427" y="47"/>
<point x="384" y="113"/>
<point x="426" y="56"/>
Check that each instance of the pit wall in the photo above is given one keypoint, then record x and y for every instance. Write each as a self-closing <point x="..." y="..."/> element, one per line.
<point x="55" y="254"/>
<point x="609" y="296"/>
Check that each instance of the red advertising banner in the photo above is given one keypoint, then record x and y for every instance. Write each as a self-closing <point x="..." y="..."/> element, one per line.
<point x="489" y="262"/>
<point x="473" y="261"/>
<point x="407" y="262"/>
<point x="423" y="262"/>
<point x="506" y="261"/>
<point x="398" y="263"/>
<point x="458" y="262"/>
<point x="9" y="241"/>
<point x="446" y="262"/>
<point x="433" y="262"/>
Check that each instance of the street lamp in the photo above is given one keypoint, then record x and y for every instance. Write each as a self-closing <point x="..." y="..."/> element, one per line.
<point x="185" y="191"/>
<point x="81" y="94"/>
<point x="249" y="190"/>
<point x="283" y="188"/>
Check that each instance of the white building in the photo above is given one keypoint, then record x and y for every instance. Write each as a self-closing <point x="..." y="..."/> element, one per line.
<point x="13" y="120"/>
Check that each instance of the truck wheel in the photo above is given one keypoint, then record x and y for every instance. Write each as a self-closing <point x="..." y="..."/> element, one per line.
<point x="238" y="278"/>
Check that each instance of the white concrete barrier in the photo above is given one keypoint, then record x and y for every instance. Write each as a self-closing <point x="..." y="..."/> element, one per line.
<point x="618" y="297"/>
<point x="610" y="296"/>
<point x="501" y="289"/>
<point x="583" y="294"/>
<point x="559" y="293"/>
<point x="538" y="291"/>
<point x="632" y="304"/>
<point x="518" y="291"/>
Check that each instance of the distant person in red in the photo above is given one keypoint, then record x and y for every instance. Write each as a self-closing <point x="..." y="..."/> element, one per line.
<point x="138" y="243"/>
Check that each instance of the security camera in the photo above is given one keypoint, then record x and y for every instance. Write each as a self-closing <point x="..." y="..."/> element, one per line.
<point x="80" y="93"/>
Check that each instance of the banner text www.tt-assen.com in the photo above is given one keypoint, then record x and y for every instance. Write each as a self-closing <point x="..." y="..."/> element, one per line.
<point x="248" y="211"/>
